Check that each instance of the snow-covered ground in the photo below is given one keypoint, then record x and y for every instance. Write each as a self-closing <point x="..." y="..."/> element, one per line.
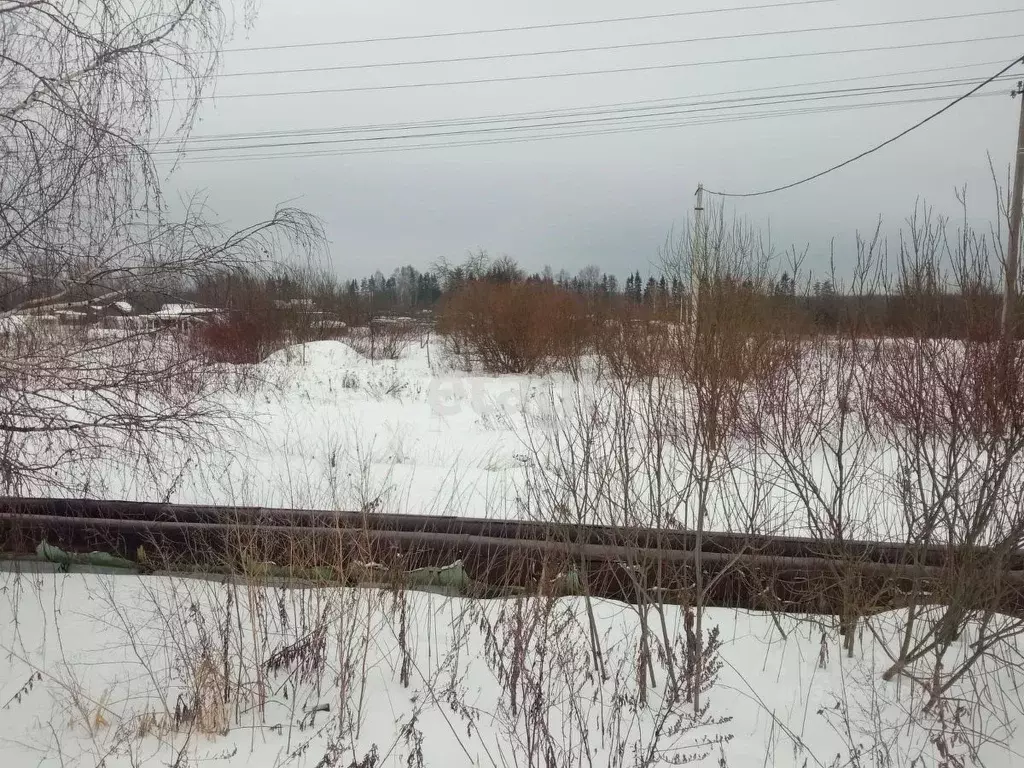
<point x="154" y="671"/>
<point x="325" y="427"/>
<point x="319" y="425"/>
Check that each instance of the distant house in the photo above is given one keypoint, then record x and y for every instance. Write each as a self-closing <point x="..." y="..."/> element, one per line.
<point x="302" y="305"/>
<point x="27" y="322"/>
<point x="108" y="315"/>
<point x="175" y="311"/>
<point x="113" y="314"/>
<point x="180" y="317"/>
<point x="72" y="316"/>
<point x="45" y="320"/>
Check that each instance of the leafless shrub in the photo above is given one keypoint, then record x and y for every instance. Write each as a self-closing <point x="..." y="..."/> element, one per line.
<point x="910" y="440"/>
<point x="913" y="440"/>
<point x="384" y="338"/>
<point x="952" y="415"/>
<point x="79" y="397"/>
<point x="616" y="712"/>
<point x="82" y="221"/>
<point x="809" y="423"/>
<point x="241" y="339"/>
<point x="653" y="439"/>
<point x="515" y="327"/>
<point x="636" y="344"/>
<point x="270" y="308"/>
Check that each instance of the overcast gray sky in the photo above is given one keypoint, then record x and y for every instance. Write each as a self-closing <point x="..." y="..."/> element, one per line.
<point x="599" y="199"/>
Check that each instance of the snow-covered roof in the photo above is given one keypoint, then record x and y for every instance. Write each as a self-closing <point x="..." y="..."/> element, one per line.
<point x="392" y="320"/>
<point x="184" y="310"/>
<point x="122" y="306"/>
<point x="285" y="303"/>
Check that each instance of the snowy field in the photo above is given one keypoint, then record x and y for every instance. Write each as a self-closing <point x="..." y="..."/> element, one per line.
<point x="321" y="426"/>
<point x="153" y="671"/>
<point x="163" y="671"/>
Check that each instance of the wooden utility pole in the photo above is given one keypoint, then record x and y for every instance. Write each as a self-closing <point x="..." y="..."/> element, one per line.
<point x="1013" y="246"/>
<point x="696" y="651"/>
<point x="696" y="258"/>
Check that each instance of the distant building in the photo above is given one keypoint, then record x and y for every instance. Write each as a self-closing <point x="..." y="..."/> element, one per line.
<point x="180" y="317"/>
<point x="72" y="316"/>
<point x="113" y="314"/>
<point x="305" y="305"/>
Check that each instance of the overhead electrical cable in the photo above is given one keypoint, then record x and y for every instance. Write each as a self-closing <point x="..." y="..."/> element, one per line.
<point x="619" y="46"/>
<point x="564" y="111"/>
<point x="877" y="147"/>
<point x="653" y="125"/>
<point x="531" y="27"/>
<point x="614" y="70"/>
<point x="574" y="134"/>
<point x="356" y="134"/>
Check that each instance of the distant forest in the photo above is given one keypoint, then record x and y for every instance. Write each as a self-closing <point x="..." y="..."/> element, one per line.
<point x="408" y="291"/>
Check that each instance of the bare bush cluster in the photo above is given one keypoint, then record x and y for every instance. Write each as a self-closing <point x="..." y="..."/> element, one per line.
<point x="384" y="338"/>
<point x="515" y="327"/>
<point x="256" y="323"/>
<point x="740" y="417"/>
<point x="241" y="338"/>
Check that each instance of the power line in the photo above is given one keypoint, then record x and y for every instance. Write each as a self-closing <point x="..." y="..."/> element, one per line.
<point x="829" y="109"/>
<point x="562" y="111"/>
<point x="618" y="70"/>
<point x="620" y="46"/>
<point x="877" y="147"/>
<point x="574" y="134"/>
<point x="530" y="27"/>
<point x="352" y="135"/>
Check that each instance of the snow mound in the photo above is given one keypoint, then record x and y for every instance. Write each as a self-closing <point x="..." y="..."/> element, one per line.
<point x="317" y="355"/>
